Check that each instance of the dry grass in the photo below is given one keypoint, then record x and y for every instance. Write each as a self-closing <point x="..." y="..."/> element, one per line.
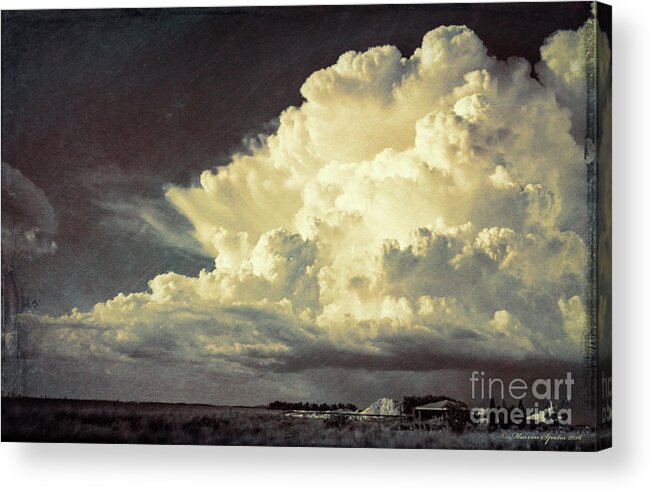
<point x="40" y="420"/>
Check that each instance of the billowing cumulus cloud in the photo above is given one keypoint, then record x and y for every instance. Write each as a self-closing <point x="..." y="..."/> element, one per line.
<point x="414" y="213"/>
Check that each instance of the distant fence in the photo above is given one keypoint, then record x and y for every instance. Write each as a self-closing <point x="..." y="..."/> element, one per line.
<point x="339" y="414"/>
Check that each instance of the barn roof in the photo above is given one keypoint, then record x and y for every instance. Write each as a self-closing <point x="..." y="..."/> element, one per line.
<point x="436" y="406"/>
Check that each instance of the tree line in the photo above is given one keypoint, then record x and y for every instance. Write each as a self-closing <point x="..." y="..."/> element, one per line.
<point x="311" y="406"/>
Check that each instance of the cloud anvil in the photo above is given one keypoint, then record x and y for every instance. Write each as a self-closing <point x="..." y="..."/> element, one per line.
<point x="422" y="209"/>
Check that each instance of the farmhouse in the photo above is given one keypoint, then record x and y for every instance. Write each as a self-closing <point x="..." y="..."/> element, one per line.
<point x="434" y="410"/>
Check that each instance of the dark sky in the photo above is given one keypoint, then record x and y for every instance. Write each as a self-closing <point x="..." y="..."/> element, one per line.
<point x="101" y="109"/>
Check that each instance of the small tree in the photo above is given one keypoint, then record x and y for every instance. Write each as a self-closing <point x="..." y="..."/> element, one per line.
<point x="492" y="416"/>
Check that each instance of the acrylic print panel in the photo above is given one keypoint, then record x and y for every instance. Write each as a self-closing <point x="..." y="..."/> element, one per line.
<point x="382" y="226"/>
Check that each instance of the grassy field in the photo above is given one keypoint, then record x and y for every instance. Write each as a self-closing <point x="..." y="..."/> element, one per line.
<point x="48" y="420"/>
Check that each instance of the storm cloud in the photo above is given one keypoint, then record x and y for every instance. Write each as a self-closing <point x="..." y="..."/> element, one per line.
<point x="28" y="219"/>
<point x="414" y="213"/>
